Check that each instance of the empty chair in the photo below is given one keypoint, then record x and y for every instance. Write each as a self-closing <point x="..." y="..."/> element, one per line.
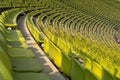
<point x="21" y="63"/>
<point x="107" y="75"/>
<point x="7" y="75"/>
<point x="88" y="64"/>
<point x="101" y="72"/>
<point x="97" y="69"/>
<point x="89" y="75"/>
<point x="15" y="52"/>
<point x="13" y="40"/>
<point x="77" y="71"/>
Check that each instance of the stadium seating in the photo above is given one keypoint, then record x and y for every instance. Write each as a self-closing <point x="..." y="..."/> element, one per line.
<point x="81" y="37"/>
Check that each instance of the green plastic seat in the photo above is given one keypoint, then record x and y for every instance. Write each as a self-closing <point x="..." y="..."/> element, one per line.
<point x="11" y="35"/>
<point x="6" y="75"/>
<point x="66" y="64"/>
<point x="88" y="64"/>
<point x="89" y="75"/>
<point x="20" y="52"/>
<point x="17" y="44"/>
<point x="55" y="54"/>
<point x="13" y="51"/>
<point x="116" y="78"/>
<point x="21" y="64"/>
<point x="51" y="50"/>
<point x="55" y="39"/>
<point x="100" y="72"/>
<point x="63" y="46"/>
<point x="5" y="59"/>
<point x="12" y="44"/>
<point x="25" y="64"/>
<point x="15" y="38"/>
<point x="107" y="75"/>
<point x="37" y="35"/>
<point x="10" y="17"/>
<point x="118" y="74"/>
<point x="30" y="76"/>
<point x="60" y="44"/>
<point x="14" y="33"/>
<point x="97" y="70"/>
<point x="46" y="45"/>
<point x="16" y="41"/>
<point x="77" y="71"/>
<point x="9" y="32"/>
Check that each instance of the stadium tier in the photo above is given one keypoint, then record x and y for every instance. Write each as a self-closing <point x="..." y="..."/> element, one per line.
<point x="80" y="37"/>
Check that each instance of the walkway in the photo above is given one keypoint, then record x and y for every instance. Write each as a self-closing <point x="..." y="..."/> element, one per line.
<point x="48" y="66"/>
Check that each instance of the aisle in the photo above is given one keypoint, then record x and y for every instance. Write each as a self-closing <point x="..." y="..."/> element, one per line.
<point x="48" y="66"/>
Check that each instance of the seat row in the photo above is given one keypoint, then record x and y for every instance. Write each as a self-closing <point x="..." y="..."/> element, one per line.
<point x="47" y="29"/>
<point x="73" y="31"/>
<point x="17" y="61"/>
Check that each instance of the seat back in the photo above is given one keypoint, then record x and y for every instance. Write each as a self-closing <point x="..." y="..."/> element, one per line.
<point x="4" y="73"/>
<point x="88" y="64"/>
<point x="3" y="52"/>
<point x="3" y="30"/>
<point x="97" y="70"/>
<point x="46" y="45"/>
<point x="77" y="71"/>
<point x="118" y="74"/>
<point x="107" y="75"/>
<point x="3" y="41"/>
<point x="5" y="59"/>
<point x="1" y="19"/>
<point x="89" y="75"/>
<point x="63" y="46"/>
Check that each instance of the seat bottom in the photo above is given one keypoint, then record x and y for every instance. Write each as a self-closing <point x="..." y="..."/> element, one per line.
<point x="20" y="52"/>
<point x="26" y="65"/>
<point x="30" y="76"/>
<point x="17" y="44"/>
